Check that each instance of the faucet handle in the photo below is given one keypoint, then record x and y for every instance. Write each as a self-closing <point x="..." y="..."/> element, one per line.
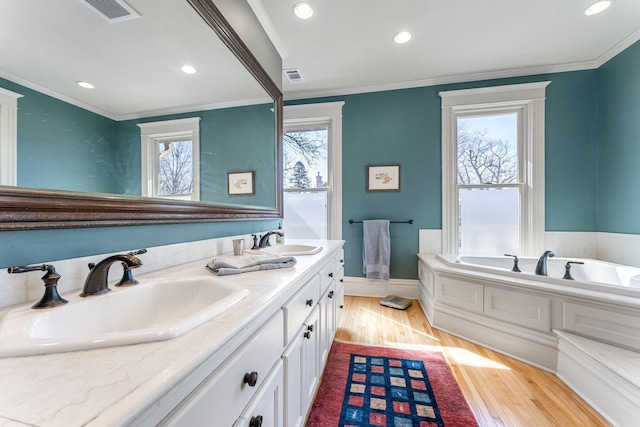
<point x="138" y="252"/>
<point x="51" y="297"/>
<point x="515" y="268"/>
<point x="567" y="269"/>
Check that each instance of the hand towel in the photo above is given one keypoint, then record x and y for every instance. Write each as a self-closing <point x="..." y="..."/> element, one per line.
<point x="245" y="264"/>
<point x="376" y="249"/>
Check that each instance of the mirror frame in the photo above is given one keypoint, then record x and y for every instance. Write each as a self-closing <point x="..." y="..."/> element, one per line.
<point x="27" y="209"/>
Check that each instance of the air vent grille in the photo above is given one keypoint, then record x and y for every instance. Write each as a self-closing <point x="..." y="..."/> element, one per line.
<point x="112" y="10"/>
<point x="293" y="75"/>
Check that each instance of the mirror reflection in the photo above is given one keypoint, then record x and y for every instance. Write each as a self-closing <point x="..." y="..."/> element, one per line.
<point x="91" y="140"/>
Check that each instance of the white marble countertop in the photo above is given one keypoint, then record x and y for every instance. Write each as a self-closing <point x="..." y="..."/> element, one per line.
<point x="115" y="385"/>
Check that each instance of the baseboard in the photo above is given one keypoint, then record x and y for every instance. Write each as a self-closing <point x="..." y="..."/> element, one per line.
<point x="361" y="287"/>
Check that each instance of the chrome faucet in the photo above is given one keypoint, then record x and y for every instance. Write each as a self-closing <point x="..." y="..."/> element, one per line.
<point x="264" y="240"/>
<point x="96" y="282"/>
<point x="541" y="266"/>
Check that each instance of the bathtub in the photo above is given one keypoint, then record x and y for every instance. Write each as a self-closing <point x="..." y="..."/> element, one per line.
<point x="586" y="331"/>
<point x="592" y="275"/>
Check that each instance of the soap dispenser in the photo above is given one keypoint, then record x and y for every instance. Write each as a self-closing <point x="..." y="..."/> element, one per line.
<point x="280" y="236"/>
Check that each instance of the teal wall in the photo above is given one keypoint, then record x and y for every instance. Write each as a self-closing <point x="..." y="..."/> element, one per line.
<point x="619" y="143"/>
<point x="404" y="127"/>
<point x="238" y="139"/>
<point x="64" y="147"/>
<point x="61" y="146"/>
<point x="38" y="246"/>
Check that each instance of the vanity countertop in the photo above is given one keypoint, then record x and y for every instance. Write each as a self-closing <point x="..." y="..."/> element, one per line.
<point x="115" y="385"/>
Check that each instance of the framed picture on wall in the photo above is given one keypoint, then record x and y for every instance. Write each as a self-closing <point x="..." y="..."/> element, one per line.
<point x="383" y="178"/>
<point x="240" y="183"/>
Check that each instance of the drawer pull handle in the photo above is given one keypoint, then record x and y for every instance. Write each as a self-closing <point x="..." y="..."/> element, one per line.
<point x="256" y="421"/>
<point x="330" y="274"/>
<point x="342" y="280"/>
<point x="310" y="328"/>
<point x="251" y="378"/>
<point x="307" y="335"/>
<point x="330" y="294"/>
<point x="342" y="306"/>
<point x="309" y="302"/>
<point x="341" y="261"/>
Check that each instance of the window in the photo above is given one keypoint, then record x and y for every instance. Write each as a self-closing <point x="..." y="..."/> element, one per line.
<point x="8" y="136"/>
<point x="312" y="171"/>
<point x="493" y="170"/>
<point x="170" y="159"/>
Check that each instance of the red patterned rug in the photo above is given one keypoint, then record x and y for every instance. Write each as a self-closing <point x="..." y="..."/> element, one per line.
<point x="381" y="386"/>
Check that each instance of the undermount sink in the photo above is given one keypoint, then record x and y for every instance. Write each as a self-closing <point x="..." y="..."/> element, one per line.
<point x="153" y="310"/>
<point x="292" y="249"/>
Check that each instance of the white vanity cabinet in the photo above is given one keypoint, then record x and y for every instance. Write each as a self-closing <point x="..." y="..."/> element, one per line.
<point x="307" y="350"/>
<point x="222" y="397"/>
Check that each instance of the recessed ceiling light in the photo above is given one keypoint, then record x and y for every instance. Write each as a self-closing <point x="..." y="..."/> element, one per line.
<point x="188" y="69"/>
<point x="85" y="85"/>
<point x="303" y="10"/>
<point x="402" y="37"/>
<point x="598" y="7"/>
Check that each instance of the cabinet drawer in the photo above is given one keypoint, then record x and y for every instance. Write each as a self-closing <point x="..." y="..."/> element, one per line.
<point x="224" y="394"/>
<point x="266" y="408"/>
<point x="299" y="306"/>
<point x="327" y="275"/>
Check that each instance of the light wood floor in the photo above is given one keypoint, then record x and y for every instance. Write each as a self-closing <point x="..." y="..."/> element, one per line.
<point x="500" y="391"/>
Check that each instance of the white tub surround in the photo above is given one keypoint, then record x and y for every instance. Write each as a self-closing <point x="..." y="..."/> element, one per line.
<point x="519" y="314"/>
<point x="605" y="376"/>
<point x="161" y="382"/>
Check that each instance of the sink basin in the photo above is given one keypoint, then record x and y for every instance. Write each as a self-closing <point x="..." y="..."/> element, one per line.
<point x="153" y="310"/>
<point x="292" y="249"/>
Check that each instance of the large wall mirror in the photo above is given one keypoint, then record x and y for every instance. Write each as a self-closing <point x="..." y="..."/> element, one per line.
<point x="79" y="151"/>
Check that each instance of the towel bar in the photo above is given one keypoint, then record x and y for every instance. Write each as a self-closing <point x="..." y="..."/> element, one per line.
<point x="351" y="221"/>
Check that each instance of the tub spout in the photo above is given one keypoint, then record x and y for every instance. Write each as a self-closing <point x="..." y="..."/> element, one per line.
<point x="541" y="267"/>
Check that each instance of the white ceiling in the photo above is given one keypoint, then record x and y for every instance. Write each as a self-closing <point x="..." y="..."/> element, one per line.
<point x="347" y="46"/>
<point x="134" y="64"/>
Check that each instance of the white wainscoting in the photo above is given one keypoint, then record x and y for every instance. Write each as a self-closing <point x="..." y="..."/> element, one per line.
<point x="361" y="287"/>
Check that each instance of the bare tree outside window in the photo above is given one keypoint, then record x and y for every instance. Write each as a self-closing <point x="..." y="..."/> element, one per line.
<point x="176" y="168"/>
<point x="485" y="159"/>
<point x="306" y="148"/>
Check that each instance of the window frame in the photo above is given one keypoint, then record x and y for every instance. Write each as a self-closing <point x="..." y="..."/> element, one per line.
<point x="8" y="137"/>
<point x="151" y="134"/>
<point x="528" y="100"/>
<point x="327" y="113"/>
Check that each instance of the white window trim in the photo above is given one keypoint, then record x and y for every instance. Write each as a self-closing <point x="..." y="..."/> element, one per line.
<point x="530" y="99"/>
<point x="151" y="133"/>
<point x="9" y="137"/>
<point x="325" y="112"/>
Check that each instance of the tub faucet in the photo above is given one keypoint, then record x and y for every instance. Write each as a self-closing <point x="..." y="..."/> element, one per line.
<point x="96" y="282"/>
<point x="541" y="267"/>
<point x="264" y="240"/>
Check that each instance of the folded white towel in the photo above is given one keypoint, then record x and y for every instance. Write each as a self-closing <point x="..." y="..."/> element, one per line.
<point x="245" y="264"/>
<point x="376" y="249"/>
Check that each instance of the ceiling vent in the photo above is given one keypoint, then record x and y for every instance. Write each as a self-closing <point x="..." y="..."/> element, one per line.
<point x="293" y="75"/>
<point x="112" y="10"/>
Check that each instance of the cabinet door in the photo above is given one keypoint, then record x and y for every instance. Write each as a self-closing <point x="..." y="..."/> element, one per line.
<point x="327" y="321"/>
<point x="311" y="360"/>
<point x="301" y="371"/>
<point x="339" y="303"/>
<point x="266" y="408"/>
<point x="293" y="357"/>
